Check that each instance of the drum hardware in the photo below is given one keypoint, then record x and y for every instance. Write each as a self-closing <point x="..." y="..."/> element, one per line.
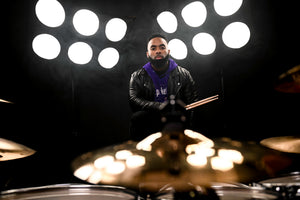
<point x="289" y="82"/>
<point x="10" y="150"/>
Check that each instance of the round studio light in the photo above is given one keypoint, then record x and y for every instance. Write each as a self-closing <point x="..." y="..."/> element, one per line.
<point x="46" y="46"/>
<point x="108" y="57"/>
<point x="194" y="14"/>
<point x="80" y="53"/>
<point x="50" y="12"/>
<point x="167" y="21"/>
<point x="115" y="29"/>
<point x="178" y="49"/>
<point x="236" y="35"/>
<point x="86" y="22"/>
<point x="227" y="7"/>
<point x="204" y="43"/>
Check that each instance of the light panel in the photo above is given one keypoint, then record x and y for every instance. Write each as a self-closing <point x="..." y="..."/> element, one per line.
<point x="194" y="14"/>
<point x="80" y="53"/>
<point x="167" y="21"/>
<point x="236" y="35"/>
<point x="50" y="12"/>
<point x="227" y="7"/>
<point x="46" y="46"/>
<point x="204" y="43"/>
<point x="115" y="29"/>
<point x="86" y="22"/>
<point x="178" y="49"/>
<point x="108" y="57"/>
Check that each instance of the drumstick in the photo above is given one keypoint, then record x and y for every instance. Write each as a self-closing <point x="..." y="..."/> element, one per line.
<point x="201" y="102"/>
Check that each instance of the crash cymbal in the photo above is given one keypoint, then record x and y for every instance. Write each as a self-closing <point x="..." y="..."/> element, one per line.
<point x="10" y="150"/>
<point x="289" y="82"/>
<point x="5" y="101"/>
<point x="176" y="159"/>
<point x="289" y="144"/>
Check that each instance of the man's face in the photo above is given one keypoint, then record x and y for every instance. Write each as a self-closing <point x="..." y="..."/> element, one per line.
<point x="157" y="48"/>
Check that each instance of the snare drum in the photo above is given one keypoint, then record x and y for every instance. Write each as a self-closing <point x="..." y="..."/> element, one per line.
<point x="71" y="191"/>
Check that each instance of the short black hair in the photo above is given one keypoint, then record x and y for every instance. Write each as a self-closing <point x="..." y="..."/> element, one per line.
<point x="157" y="35"/>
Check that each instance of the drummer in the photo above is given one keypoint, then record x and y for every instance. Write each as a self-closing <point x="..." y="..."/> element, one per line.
<point x="153" y="84"/>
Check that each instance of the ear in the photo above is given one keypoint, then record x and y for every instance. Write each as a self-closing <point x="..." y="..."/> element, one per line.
<point x="147" y="54"/>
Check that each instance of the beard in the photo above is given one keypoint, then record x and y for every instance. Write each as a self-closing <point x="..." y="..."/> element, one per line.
<point x="160" y="63"/>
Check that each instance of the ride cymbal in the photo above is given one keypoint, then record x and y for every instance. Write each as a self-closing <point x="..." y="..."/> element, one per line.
<point x="10" y="150"/>
<point x="288" y="144"/>
<point x="177" y="159"/>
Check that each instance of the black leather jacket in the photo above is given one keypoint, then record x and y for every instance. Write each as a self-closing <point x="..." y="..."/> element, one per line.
<point x="141" y="89"/>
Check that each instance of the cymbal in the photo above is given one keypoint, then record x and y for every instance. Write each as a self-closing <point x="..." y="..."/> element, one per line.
<point x="288" y="144"/>
<point x="177" y="159"/>
<point x="289" y="82"/>
<point x="10" y="150"/>
<point x="5" y="101"/>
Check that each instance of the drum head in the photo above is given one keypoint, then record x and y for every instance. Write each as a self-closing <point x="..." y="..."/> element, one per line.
<point x="225" y="191"/>
<point x="70" y="191"/>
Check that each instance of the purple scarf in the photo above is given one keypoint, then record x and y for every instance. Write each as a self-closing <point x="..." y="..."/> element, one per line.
<point x="160" y="81"/>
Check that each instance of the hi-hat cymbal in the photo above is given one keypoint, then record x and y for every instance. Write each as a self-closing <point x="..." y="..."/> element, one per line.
<point x="289" y="82"/>
<point x="288" y="144"/>
<point x="10" y="150"/>
<point x="177" y="159"/>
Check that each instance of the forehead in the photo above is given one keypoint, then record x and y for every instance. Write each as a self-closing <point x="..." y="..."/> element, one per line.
<point x="157" y="41"/>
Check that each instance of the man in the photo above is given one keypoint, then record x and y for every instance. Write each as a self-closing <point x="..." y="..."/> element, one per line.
<point x="151" y="87"/>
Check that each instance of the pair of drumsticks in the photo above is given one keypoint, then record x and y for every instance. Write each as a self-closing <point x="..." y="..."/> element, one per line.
<point x="201" y="102"/>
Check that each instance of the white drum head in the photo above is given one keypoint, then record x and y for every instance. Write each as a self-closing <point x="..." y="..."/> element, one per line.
<point x="70" y="191"/>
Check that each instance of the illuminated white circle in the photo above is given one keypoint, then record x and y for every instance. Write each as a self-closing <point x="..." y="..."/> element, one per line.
<point x="46" y="46"/>
<point x="167" y="21"/>
<point x="115" y="29"/>
<point x="236" y="35"/>
<point x="108" y="57"/>
<point x="178" y="49"/>
<point x="227" y="7"/>
<point x="50" y="13"/>
<point x="86" y="22"/>
<point x="80" y="53"/>
<point x="204" y="43"/>
<point x="194" y="14"/>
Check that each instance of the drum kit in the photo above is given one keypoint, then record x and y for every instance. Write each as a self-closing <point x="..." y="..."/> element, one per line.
<point x="176" y="163"/>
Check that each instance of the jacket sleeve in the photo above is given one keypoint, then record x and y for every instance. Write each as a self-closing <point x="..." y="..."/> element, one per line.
<point x="136" y="101"/>
<point x="190" y="91"/>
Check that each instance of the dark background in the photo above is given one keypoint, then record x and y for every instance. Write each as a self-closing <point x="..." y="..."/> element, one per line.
<point x="62" y="110"/>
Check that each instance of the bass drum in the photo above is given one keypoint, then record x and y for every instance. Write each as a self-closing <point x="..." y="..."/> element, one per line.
<point x="70" y="191"/>
<point x="227" y="191"/>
